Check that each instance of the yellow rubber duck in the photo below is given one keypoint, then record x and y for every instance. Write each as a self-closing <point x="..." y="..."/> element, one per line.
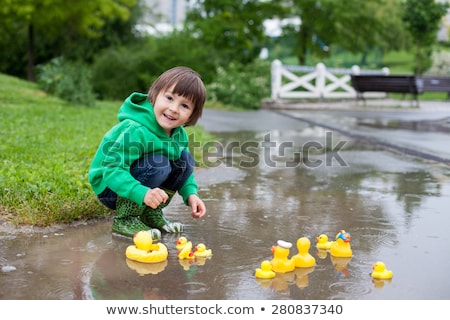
<point x="323" y="243"/>
<point x="281" y="263"/>
<point x="144" y="250"/>
<point x="186" y="252"/>
<point x="200" y="251"/>
<point x="341" y="247"/>
<point x="303" y="259"/>
<point x="380" y="271"/>
<point x="265" y="272"/>
<point x="181" y="242"/>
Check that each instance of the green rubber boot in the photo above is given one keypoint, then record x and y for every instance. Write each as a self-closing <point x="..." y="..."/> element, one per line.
<point x="127" y="220"/>
<point x="155" y="217"/>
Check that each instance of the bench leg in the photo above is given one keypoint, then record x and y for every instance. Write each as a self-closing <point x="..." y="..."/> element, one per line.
<point x="416" y="99"/>
<point x="360" y="96"/>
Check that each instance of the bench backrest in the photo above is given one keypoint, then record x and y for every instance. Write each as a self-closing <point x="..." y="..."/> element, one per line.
<point x="385" y="83"/>
<point x="436" y="84"/>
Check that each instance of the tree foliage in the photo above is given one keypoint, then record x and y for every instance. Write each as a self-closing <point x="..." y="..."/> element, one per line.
<point x="59" y="20"/>
<point x="218" y="35"/>
<point x="138" y="64"/>
<point x="422" y="18"/>
<point x="354" y="25"/>
<point x="235" y="28"/>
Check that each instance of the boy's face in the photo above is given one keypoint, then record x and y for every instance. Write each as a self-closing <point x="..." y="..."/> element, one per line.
<point x="172" y="110"/>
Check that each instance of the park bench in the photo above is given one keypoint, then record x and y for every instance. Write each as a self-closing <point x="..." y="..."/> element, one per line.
<point x="405" y="84"/>
<point x="434" y="84"/>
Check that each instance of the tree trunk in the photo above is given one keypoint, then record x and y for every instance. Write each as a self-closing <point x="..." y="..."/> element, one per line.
<point x="418" y="69"/>
<point x="303" y="46"/>
<point x="30" y="53"/>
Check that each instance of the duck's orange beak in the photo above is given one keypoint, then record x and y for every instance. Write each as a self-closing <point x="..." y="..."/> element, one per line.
<point x="317" y="239"/>
<point x="272" y="249"/>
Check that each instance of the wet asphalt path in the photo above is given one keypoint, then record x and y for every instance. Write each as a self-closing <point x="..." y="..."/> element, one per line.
<point x="422" y="132"/>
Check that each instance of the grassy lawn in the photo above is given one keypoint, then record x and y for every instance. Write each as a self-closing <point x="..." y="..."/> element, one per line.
<point x="45" y="152"/>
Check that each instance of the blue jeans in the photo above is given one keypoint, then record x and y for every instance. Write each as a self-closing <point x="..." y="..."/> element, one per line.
<point x="155" y="170"/>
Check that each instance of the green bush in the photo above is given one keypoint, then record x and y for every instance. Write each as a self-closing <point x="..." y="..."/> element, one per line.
<point x="181" y="48"/>
<point x="441" y="63"/>
<point x="241" y="85"/>
<point x="70" y="81"/>
<point x="119" y="71"/>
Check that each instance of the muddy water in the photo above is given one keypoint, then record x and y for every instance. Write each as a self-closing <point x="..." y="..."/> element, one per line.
<point x="395" y="208"/>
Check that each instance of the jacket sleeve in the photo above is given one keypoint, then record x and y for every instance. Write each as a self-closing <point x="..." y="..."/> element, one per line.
<point x="189" y="187"/>
<point x="119" y="155"/>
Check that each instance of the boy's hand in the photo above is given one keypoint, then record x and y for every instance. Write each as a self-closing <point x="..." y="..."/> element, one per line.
<point x="197" y="206"/>
<point x="154" y="197"/>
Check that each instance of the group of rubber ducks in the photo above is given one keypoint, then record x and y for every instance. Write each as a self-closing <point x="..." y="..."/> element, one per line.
<point x="144" y="250"/>
<point x="189" y="255"/>
<point x="184" y="248"/>
<point x="339" y="248"/>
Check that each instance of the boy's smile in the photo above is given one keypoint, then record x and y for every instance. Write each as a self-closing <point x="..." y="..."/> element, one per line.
<point x="172" y="110"/>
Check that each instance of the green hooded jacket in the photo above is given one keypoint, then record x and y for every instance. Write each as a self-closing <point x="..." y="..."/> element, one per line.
<point x="136" y="134"/>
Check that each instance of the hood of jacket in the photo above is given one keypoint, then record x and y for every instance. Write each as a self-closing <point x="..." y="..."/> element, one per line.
<point x="138" y="108"/>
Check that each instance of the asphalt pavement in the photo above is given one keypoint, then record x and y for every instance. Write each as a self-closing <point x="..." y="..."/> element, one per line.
<point x="422" y="131"/>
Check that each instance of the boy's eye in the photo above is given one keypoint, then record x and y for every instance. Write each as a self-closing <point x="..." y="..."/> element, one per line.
<point x="169" y="97"/>
<point x="186" y="106"/>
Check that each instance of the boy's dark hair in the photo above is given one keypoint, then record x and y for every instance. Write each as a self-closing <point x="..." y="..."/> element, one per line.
<point x="187" y="83"/>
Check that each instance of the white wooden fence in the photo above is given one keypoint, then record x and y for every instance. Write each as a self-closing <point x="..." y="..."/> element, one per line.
<point x="298" y="82"/>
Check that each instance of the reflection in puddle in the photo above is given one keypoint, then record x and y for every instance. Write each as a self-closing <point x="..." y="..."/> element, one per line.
<point x="146" y="268"/>
<point x="340" y="265"/>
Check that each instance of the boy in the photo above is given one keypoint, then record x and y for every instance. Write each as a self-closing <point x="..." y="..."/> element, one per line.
<point x="144" y="159"/>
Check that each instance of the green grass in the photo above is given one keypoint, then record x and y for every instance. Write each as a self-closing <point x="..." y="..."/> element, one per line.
<point x="46" y="148"/>
<point x="398" y="62"/>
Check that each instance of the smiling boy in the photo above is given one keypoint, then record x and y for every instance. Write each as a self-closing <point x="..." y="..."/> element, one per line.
<point x="144" y="159"/>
